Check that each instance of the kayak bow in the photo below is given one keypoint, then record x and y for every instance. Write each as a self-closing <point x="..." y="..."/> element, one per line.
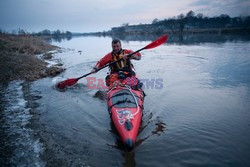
<point x="125" y="106"/>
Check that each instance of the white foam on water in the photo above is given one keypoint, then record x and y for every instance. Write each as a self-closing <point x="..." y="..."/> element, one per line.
<point x="51" y="62"/>
<point x="55" y="81"/>
<point x="27" y="148"/>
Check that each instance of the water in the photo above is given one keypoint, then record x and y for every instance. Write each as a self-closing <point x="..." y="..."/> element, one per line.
<point x="196" y="109"/>
<point x="25" y="146"/>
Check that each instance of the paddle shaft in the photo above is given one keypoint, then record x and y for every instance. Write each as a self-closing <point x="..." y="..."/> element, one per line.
<point x="109" y="64"/>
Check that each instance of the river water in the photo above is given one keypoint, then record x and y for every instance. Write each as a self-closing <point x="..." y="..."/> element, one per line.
<point x="196" y="112"/>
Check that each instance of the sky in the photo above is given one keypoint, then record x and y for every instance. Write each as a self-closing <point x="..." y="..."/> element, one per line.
<point x="100" y="15"/>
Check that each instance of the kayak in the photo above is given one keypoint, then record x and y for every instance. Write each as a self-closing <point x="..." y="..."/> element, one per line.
<point x="125" y="106"/>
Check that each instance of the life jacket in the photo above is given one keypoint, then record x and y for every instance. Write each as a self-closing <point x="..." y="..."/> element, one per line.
<point x="123" y="65"/>
<point x="113" y="80"/>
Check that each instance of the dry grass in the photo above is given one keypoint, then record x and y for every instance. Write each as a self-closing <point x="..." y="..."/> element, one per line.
<point x="18" y="60"/>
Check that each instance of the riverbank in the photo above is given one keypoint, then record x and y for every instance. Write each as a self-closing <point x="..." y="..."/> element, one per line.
<point x="19" y="60"/>
<point x="22" y="59"/>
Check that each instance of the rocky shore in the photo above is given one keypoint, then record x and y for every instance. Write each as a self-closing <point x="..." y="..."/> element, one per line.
<point x="19" y="60"/>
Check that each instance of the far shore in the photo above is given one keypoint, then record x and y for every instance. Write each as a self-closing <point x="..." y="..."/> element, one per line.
<point x="130" y="30"/>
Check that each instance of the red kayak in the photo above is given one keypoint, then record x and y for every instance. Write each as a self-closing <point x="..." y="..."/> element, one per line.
<point x="125" y="106"/>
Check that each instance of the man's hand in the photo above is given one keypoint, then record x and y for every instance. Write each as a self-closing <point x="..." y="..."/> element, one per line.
<point x="125" y="57"/>
<point x="94" y="70"/>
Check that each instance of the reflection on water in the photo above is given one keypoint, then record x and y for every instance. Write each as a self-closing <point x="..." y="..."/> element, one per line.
<point x="209" y="38"/>
<point x="160" y="128"/>
<point x="59" y="38"/>
<point x="129" y="159"/>
<point x="187" y="39"/>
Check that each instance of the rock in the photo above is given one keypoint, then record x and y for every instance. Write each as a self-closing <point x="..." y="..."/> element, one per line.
<point x="36" y="52"/>
<point x="59" y="64"/>
<point x="47" y="56"/>
<point x="53" y="71"/>
<point x="100" y="95"/>
<point x="42" y="74"/>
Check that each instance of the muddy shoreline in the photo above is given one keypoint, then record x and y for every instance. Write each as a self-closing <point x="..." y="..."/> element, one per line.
<point x="19" y="60"/>
<point x="22" y="58"/>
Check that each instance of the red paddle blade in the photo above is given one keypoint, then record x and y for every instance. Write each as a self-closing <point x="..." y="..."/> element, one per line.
<point x="157" y="42"/>
<point x="68" y="82"/>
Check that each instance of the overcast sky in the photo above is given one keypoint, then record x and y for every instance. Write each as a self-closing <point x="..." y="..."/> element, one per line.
<point x="99" y="15"/>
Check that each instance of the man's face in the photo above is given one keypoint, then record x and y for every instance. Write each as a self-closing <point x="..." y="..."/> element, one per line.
<point x="116" y="47"/>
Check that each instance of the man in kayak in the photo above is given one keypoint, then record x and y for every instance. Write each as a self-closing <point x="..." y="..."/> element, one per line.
<point x="122" y="70"/>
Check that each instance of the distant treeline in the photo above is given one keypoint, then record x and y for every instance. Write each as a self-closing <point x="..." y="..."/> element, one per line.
<point x="44" y="32"/>
<point x="189" y="23"/>
<point x="56" y="35"/>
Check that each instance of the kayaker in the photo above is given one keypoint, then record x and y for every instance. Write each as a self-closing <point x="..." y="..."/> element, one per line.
<point x="122" y="69"/>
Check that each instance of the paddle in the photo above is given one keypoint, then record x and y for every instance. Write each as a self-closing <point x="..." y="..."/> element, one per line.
<point x="72" y="81"/>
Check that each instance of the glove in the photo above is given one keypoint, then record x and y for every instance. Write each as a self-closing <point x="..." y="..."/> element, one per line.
<point x="125" y="57"/>
<point x="94" y="70"/>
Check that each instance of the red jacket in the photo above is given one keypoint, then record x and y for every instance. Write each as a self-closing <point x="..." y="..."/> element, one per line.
<point x="108" y="58"/>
